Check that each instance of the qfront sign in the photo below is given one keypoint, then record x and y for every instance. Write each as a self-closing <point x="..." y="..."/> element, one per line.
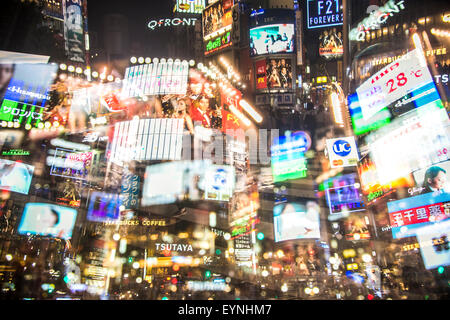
<point x="156" y="24"/>
<point x="324" y="13"/>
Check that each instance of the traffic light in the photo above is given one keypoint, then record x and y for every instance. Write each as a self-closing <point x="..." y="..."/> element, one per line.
<point x="260" y="236"/>
<point x="441" y="270"/>
<point x="207" y="274"/>
<point x="130" y="259"/>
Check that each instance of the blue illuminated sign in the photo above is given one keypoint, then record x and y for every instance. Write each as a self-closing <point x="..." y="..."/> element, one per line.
<point x="324" y="13"/>
<point x="342" y="148"/>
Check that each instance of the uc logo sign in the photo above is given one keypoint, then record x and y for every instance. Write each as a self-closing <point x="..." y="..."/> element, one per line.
<point x="342" y="148"/>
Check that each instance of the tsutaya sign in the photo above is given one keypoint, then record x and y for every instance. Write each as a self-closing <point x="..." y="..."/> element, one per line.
<point x="153" y="24"/>
<point x="376" y="19"/>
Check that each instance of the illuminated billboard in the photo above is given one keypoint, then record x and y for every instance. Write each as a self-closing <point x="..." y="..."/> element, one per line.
<point x="344" y="195"/>
<point x="73" y="29"/>
<point x="187" y="180"/>
<point x="190" y="6"/>
<point x="408" y="215"/>
<point x="15" y="176"/>
<point x="288" y="156"/>
<point x="356" y="228"/>
<point x="434" y="245"/>
<point x="331" y="44"/>
<point x="393" y="82"/>
<point x="433" y="178"/>
<point x="147" y="139"/>
<point x="218" y="43"/>
<point x="46" y="219"/>
<point x="274" y="73"/>
<point x="324" y="13"/>
<point x="156" y="78"/>
<point x="275" y="38"/>
<point x="104" y="207"/>
<point x="342" y="152"/>
<point x="71" y="164"/>
<point x="296" y="221"/>
<point x="412" y="142"/>
<point x="217" y="18"/>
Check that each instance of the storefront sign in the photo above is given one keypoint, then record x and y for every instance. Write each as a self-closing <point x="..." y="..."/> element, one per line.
<point x="173" y="247"/>
<point x="324" y="13"/>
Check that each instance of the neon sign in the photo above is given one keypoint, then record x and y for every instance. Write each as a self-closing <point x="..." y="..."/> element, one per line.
<point x="171" y="22"/>
<point x="324" y="13"/>
<point x="218" y="43"/>
<point x="375" y="20"/>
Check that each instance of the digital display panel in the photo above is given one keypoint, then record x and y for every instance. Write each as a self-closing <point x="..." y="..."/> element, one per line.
<point x="279" y="73"/>
<point x="104" y="207"/>
<point x="434" y="244"/>
<point x="46" y="219"/>
<point x="296" y="221"/>
<point x="331" y="44"/>
<point x="324" y="13"/>
<point x="15" y="176"/>
<point x="344" y="195"/>
<point x="147" y="139"/>
<point x="433" y="178"/>
<point x="356" y="228"/>
<point x="190" y="6"/>
<point x="288" y="156"/>
<point x="268" y="39"/>
<point x="217" y="18"/>
<point x="410" y="214"/>
<point x="71" y="164"/>
<point x="187" y="180"/>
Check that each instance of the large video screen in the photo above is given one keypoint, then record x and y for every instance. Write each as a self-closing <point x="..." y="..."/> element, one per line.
<point x="277" y="75"/>
<point x="104" y="207"/>
<point x="187" y="180"/>
<point x="217" y="17"/>
<point x="434" y="245"/>
<point x="275" y="38"/>
<point x="46" y="219"/>
<point x="296" y="221"/>
<point x="15" y="176"/>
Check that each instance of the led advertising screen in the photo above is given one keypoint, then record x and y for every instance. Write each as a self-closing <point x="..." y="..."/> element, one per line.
<point x="434" y="244"/>
<point x="190" y="6"/>
<point x="324" y="13"/>
<point x="147" y="139"/>
<point x="71" y="164"/>
<point x="46" y="219"/>
<point x="104" y="207"/>
<point x="159" y="77"/>
<point x="217" y="18"/>
<point x="345" y="195"/>
<point x="275" y="38"/>
<point x="187" y="180"/>
<point x="431" y="179"/>
<point x="410" y="214"/>
<point x="411" y="142"/>
<point x="296" y="221"/>
<point x="356" y="228"/>
<point x="279" y="73"/>
<point x="392" y="82"/>
<point x="73" y="29"/>
<point x="288" y="156"/>
<point x="15" y="176"/>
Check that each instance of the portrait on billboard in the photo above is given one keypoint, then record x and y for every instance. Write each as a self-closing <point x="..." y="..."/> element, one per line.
<point x="217" y="16"/>
<point x="279" y="73"/>
<point x="330" y="44"/>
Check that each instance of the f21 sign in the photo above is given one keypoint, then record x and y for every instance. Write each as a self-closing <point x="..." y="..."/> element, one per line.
<point x="324" y="13"/>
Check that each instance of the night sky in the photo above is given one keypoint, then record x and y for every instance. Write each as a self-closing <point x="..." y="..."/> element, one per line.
<point x="139" y="13"/>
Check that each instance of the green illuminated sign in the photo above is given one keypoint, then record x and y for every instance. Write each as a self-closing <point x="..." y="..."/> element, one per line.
<point x="219" y="42"/>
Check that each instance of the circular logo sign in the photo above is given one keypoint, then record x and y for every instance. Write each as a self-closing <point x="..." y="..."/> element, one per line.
<point x="220" y="179"/>
<point x="342" y="148"/>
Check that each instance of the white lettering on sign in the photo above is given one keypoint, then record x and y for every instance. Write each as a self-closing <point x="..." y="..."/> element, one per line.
<point x="173" y="247"/>
<point x="441" y="78"/>
<point x="375" y="20"/>
<point x="393" y="82"/>
<point x="171" y="22"/>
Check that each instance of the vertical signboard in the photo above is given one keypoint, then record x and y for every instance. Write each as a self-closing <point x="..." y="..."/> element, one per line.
<point x="299" y="29"/>
<point x="236" y="28"/>
<point x="73" y="30"/>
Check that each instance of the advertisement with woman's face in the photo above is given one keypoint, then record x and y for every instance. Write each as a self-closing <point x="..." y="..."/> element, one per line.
<point x="46" y="219"/>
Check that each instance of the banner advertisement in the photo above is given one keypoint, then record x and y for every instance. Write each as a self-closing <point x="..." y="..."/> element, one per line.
<point x="73" y="30"/>
<point x="331" y="45"/>
<point x="342" y="152"/>
<point x="217" y="18"/>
